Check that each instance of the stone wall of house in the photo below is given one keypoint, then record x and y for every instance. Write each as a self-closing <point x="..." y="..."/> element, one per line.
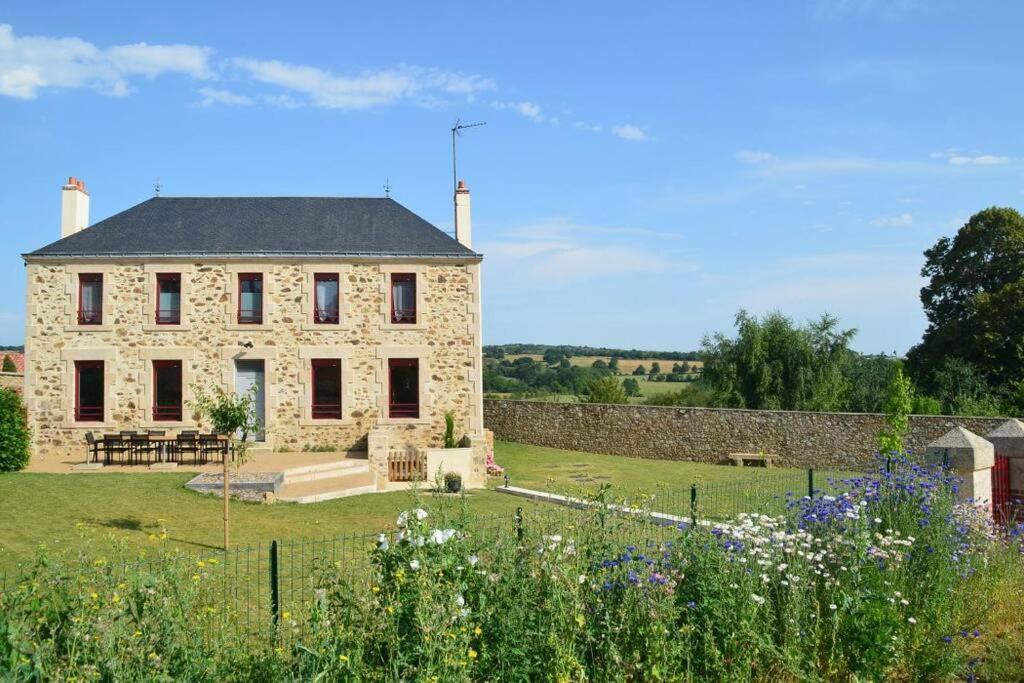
<point x="446" y="340"/>
<point x="12" y="380"/>
<point x="821" y="440"/>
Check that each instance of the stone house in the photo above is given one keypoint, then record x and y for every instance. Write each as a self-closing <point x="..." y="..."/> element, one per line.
<point x="357" y="321"/>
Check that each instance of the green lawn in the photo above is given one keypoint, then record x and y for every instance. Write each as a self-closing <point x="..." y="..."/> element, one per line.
<point x="70" y="511"/>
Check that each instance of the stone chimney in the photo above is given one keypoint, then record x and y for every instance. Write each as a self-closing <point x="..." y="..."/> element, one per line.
<point x="74" y="207"/>
<point x="463" y="223"/>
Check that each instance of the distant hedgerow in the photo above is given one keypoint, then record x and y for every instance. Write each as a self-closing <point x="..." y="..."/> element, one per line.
<point x="13" y="432"/>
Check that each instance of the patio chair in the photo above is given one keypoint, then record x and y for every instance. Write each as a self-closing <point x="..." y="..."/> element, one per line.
<point x="211" y="443"/>
<point x="187" y="442"/>
<point x="115" y="444"/>
<point x="141" y="445"/>
<point x="92" y="448"/>
<point x="156" y="432"/>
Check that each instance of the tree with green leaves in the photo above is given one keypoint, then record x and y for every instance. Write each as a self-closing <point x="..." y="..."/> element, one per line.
<point x="14" y="434"/>
<point x="640" y="371"/>
<point x="234" y="416"/>
<point x="655" y="368"/>
<point x="599" y="364"/>
<point x="897" y="415"/>
<point x="631" y="387"/>
<point x="974" y="301"/>
<point x="772" y="364"/>
<point x="8" y="365"/>
<point x="605" y="390"/>
<point x="613" y="364"/>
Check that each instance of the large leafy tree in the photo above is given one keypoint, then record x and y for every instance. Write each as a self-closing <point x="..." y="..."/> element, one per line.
<point x="773" y="364"/>
<point x="974" y="301"/>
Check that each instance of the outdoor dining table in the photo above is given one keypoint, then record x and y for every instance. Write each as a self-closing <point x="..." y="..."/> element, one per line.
<point x="164" y="442"/>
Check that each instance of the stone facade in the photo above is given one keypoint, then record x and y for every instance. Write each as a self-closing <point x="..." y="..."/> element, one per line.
<point x="446" y="340"/>
<point x="820" y="440"/>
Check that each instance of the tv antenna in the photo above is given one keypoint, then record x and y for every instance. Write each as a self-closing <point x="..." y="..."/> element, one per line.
<point x="156" y="187"/>
<point x="387" y="187"/>
<point x="459" y="126"/>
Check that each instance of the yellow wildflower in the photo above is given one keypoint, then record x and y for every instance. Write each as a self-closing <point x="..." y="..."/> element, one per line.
<point x="472" y="653"/>
<point x="343" y="658"/>
<point x="579" y="619"/>
<point x="286" y="615"/>
<point x="478" y="631"/>
<point x="376" y="589"/>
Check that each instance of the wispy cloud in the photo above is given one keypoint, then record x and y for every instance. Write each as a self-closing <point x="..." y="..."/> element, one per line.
<point x="770" y="165"/>
<point x="628" y="131"/>
<point x="530" y="110"/>
<point x="957" y="158"/>
<point x="29" y="64"/>
<point x="212" y="96"/>
<point x="900" y="220"/>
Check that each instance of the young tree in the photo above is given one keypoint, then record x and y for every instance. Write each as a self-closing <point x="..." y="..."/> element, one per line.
<point x="897" y="412"/>
<point x="8" y="365"/>
<point x="631" y="387"/>
<point x="13" y="432"/>
<point x="553" y="356"/>
<point x="606" y="390"/>
<point x="613" y="364"/>
<point x="655" y="368"/>
<point x="600" y="364"/>
<point x="233" y="416"/>
<point x="640" y="371"/>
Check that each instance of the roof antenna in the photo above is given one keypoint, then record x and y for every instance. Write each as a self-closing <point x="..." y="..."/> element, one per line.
<point x="156" y="187"/>
<point x="459" y="125"/>
<point x="387" y="187"/>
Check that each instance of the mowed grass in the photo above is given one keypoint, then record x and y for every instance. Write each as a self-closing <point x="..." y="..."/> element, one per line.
<point x="93" y="511"/>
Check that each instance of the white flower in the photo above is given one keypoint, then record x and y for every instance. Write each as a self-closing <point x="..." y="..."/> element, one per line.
<point x="904" y="602"/>
<point x="583" y="579"/>
<point x="878" y="520"/>
<point x="421" y="514"/>
<point x="473" y="559"/>
<point x="414" y="565"/>
<point x="460" y="601"/>
<point x="382" y="542"/>
<point x="912" y="620"/>
<point x="833" y="607"/>
<point x="441" y="536"/>
<point x="757" y="598"/>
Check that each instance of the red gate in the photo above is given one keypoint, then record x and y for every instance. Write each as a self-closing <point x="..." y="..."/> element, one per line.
<point x="1001" y="490"/>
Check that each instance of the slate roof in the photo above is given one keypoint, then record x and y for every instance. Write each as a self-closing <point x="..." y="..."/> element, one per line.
<point x="261" y="226"/>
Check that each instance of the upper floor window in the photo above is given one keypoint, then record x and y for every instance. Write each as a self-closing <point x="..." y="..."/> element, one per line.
<point x="167" y="390"/>
<point x="168" y="299"/>
<point x="325" y="298"/>
<point x="250" y="298"/>
<point x="89" y="391"/>
<point x="326" y="389"/>
<point x="90" y="299"/>
<point x="403" y="298"/>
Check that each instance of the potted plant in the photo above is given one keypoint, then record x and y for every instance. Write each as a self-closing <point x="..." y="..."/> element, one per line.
<point x="453" y="482"/>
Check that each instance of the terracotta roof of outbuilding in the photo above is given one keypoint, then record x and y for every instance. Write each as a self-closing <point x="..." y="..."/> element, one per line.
<point x="261" y="226"/>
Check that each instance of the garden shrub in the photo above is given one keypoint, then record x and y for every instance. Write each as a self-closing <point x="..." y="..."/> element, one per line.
<point x="8" y="364"/>
<point x="14" y="441"/>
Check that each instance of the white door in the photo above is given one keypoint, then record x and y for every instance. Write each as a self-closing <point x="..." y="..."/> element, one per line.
<point x="249" y="373"/>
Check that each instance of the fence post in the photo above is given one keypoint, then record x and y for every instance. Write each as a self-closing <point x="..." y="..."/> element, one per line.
<point x="275" y="585"/>
<point x="693" y="504"/>
<point x="810" y="483"/>
<point x="519" y="524"/>
<point x="888" y="464"/>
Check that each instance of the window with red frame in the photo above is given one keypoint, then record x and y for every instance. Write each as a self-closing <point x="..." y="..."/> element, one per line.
<point x="326" y="389"/>
<point x="325" y="298"/>
<point x="250" y="298"/>
<point x="167" y="390"/>
<point x="403" y="298"/>
<point x="88" y="391"/>
<point x="404" y="387"/>
<point x="90" y="298"/>
<point x="168" y="299"/>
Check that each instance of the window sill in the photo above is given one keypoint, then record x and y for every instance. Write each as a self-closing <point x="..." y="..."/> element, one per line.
<point x="154" y="327"/>
<point x="403" y="421"/>
<point x="310" y="422"/>
<point x="74" y="327"/>
<point x="90" y="426"/>
<point x="403" y="326"/>
<point x="249" y="327"/>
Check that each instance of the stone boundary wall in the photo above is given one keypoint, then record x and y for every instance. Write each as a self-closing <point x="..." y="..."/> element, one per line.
<point x="12" y="380"/>
<point x="802" y="439"/>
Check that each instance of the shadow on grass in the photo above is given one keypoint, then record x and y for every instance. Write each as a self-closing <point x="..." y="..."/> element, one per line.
<point x="123" y="523"/>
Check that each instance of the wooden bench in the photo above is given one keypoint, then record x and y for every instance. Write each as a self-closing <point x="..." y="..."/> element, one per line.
<point x="753" y="459"/>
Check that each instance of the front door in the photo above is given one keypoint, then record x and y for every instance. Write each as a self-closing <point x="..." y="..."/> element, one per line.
<point x="249" y="373"/>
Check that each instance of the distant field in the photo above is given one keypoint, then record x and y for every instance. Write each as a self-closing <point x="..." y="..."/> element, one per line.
<point x="646" y="389"/>
<point x="626" y="365"/>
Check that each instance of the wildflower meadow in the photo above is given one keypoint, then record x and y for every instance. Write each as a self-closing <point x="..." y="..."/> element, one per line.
<point x="887" y="579"/>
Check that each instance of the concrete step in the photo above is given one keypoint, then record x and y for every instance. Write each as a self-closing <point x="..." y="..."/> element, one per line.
<point x="324" y="470"/>
<point x="351" y="483"/>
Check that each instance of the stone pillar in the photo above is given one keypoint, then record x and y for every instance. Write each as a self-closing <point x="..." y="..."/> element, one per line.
<point x="377" y="455"/>
<point x="971" y="457"/>
<point x="1008" y="439"/>
<point x="478" y="443"/>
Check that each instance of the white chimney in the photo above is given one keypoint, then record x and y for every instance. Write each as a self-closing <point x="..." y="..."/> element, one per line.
<point x="463" y="223"/>
<point x="74" y="207"/>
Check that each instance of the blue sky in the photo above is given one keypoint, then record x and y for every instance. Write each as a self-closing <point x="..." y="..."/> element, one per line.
<point x="646" y="169"/>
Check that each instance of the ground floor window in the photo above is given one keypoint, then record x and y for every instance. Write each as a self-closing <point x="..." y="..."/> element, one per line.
<point x="326" y="389"/>
<point x="89" y="391"/>
<point x="404" y="387"/>
<point x="167" y="390"/>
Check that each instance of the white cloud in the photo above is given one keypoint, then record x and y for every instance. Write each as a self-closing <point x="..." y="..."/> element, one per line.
<point x="897" y="221"/>
<point x="628" y="131"/>
<point x="323" y="88"/>
<point x="957" y="158"/>
<point x="29" y="64"/>
<point x="530" y="110"/>
<point x="771" y="165"/>
<point x="212" y="96"/>
<point x="753" y="156"/>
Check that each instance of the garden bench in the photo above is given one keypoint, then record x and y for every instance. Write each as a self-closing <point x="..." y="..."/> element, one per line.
<point x="753" y="460"/>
